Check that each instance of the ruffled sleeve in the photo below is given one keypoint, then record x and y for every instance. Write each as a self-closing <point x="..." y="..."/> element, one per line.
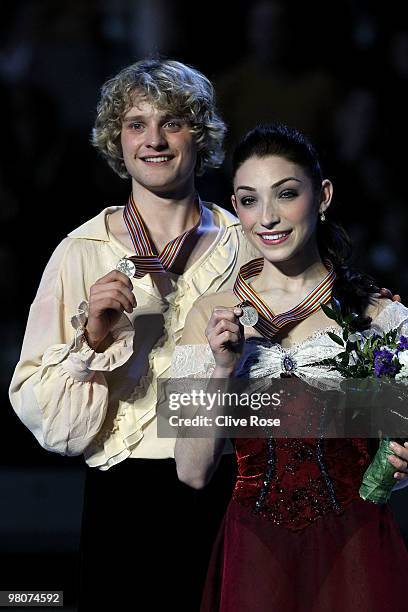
<point x="193" y="357"/>
<point x="58" y="389"/>
<point x="393" y="316"/>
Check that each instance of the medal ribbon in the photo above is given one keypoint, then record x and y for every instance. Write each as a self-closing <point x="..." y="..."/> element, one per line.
<point x="269" y="324"/>
<point x="147" y="260"/>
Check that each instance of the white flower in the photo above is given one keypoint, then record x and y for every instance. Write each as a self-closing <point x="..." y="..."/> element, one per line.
<point x="402" y="374"/>
<point x="356" y="337"/>
<point x="388" y="348"/>
<point x="403" y="358"/>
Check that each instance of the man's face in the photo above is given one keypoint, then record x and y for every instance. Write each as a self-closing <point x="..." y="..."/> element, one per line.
<point x="159" y="150"/>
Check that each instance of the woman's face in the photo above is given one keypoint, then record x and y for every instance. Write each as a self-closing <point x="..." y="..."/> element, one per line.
<point x="277" y="206"/>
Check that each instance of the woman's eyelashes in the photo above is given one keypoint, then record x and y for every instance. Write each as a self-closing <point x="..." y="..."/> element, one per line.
<point x="247" y="200"/>
<point x="285" y="194"/>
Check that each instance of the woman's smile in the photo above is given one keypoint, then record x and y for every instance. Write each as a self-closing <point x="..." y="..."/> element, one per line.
<point x="274" y="238"/>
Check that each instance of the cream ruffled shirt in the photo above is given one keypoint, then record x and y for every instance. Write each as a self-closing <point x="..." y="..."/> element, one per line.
<point x="103" y="405"/>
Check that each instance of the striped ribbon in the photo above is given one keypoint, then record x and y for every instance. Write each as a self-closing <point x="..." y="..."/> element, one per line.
<point x="269" y="324"/>
<point x="147" y="260"/>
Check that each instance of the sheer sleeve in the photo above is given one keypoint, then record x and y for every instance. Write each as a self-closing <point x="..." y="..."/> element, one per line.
<point x="195" y="324"/>
<point x="58" y="389"/>
<point x="193" y="358"/>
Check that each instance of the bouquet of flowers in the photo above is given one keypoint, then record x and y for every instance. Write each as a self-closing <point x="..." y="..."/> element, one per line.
<point x="372" y="357"/>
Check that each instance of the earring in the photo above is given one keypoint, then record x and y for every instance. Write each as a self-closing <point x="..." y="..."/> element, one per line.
<point x="322" y="216"/>
<point x="242" y="232"/>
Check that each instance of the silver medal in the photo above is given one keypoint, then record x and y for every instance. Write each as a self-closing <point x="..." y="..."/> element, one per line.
<point x="249" y="317"/>
<point x="127" y="267"/>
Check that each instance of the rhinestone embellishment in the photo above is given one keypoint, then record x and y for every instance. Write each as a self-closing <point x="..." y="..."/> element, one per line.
<point x="288" y="363"/>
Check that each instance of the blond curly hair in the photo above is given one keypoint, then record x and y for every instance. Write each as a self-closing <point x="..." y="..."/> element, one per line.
<point x="170" y="86"/>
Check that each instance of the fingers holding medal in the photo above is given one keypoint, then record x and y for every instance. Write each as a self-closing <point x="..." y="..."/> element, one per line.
<point x="225" y="335"/>
<point x="109" y="297"/>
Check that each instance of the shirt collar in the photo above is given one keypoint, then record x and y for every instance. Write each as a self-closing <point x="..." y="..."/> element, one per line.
<point x="96" y="228"/>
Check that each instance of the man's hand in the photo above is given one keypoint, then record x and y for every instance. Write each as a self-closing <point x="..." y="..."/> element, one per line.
<point x="386" y="293"/>
<point x="109" y="297"/>
<point x="400" y="461"/>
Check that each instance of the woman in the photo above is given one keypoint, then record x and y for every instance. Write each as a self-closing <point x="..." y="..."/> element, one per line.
<point x="296" y="535"/>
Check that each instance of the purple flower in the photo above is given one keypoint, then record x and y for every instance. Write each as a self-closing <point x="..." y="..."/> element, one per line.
<point x="383" y="363"/>
<point x="403" y="343"/>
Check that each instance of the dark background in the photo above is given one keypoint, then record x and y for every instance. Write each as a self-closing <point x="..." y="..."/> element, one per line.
<point x="338" y="71"/>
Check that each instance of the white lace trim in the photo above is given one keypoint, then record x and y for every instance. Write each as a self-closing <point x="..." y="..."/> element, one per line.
<point x="262" y="357"/>
<point x="192" y="361"/>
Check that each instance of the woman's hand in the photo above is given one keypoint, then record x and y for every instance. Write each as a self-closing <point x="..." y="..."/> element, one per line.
<point x="109" y="296"/>
<point x="225" y="336"/>
<point x="400" y="461"/>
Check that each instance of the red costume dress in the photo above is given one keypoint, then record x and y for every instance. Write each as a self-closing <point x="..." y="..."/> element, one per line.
<point x="297" y="537"/>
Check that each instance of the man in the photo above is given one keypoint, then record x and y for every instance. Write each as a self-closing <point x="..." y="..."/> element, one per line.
<point x="97" y="340"/>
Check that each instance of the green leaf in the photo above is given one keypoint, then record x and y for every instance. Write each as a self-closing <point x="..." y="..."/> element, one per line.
<point x="329" y="312"/>
<point x="335" y="338"/>
<point x="350" y="317"/>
